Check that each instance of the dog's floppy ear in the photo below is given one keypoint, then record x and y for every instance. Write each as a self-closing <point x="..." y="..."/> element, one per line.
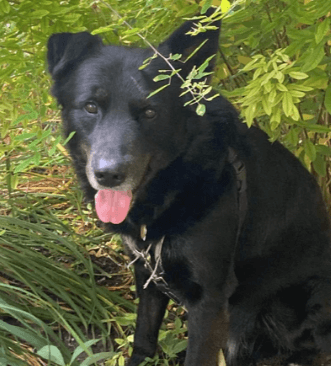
<point x="182" y="43"/>
<point x="67" y="49"/>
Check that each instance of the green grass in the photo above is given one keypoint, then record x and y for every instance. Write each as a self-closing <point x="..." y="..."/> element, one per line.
<point x="64" y="283"/>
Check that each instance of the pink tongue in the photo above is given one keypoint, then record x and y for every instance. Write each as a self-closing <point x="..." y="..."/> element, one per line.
<point x="112" y="206"/>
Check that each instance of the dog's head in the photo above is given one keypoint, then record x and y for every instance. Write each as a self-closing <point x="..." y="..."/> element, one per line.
<point x="123" y="137"/>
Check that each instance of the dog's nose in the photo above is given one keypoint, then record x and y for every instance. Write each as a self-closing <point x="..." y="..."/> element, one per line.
<point x="109" y="173"/>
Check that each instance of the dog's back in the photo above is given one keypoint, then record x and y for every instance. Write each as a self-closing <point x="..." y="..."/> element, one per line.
<point x="280" y="306"/>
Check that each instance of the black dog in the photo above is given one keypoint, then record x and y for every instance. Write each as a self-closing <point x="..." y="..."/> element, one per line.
<point x="214" y="214"/>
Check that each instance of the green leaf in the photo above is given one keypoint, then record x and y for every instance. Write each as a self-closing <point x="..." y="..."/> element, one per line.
<point x="80" y="349"/>
<point x="100" y="30"/>
<point x="51" y="353"/>
<point x="180" y="346"/>
<point x="37" y="158"/>
<point x="294" y="47"/>
<point x="187" y="10"/>
<point x="310" y="149"/>
<point x="161" y="77"/>
<point x="298" y="75"/>
<point x="39" y="14"/>
<point x="320" y="165"/>
<point x="5" y="7"/>
<point x="287" y="103"/>
<point x="72" y="18"/>
<point x="322" y="30"/>
<point x="14" y="181"/>
<point x="272" y="97"/>
<point x="267" y="77"/>
<point x="244" y="59"/>
<point x="234" y="93"/>
<point x="300" y="87"/>
<point x="253" y="92"/>
<point x="327" y="99"/>
<point x="275" y="118"/>
<point x="297" y="94"/>
<point x="324" y="150"/>
<point x="293" y="136"/>
<point x="24" y="164"/>
<point x="266" y="105"/>
<point x="25" y="136"/>
<point x="206" y="6"/>
<point x="281" y="87"/>
<point x="278" y="99"/>
<point x="250" y="114"/>
<point x="268" y="87"/>
<point x="68" y="138"/>
<point x="254" y="64"/>
<point x="157" y="90"/>
<point x="53" y="149"/>
<point x="314" y="127"/>
<point x="280" y="76"/>
<point x="201" y="109"/>
<point x="196" y="50"/>
<point x="97" y="357"/>
<point x="176" y="56"/>
<point x="23" y="334"/>
<point x="225" y="6"/>
<point x="257" y="73"/>
<point x="314" y="58"/>
<point x="147" y="61"/>
<point x="125" y="320"/>
<point x="295" y="113"/>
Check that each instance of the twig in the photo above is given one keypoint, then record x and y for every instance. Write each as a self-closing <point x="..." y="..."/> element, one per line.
<point x="189" y="87"/>
<point x="145" y="40"/>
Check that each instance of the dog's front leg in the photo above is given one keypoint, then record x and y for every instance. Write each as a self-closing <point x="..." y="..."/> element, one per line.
<point x="151" y="308"/>
<point x="207" y="332"/>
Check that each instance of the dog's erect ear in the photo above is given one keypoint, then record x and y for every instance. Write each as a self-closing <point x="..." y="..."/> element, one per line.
<point x="182" y="43"/>
<point x="67" y="49"/>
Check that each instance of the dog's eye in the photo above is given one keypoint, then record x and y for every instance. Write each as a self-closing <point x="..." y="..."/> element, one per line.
<point x="149" y="113"/>
<point x="91" y="108"/>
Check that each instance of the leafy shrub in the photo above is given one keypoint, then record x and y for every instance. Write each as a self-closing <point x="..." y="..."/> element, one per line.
<point x="275" y="65"/>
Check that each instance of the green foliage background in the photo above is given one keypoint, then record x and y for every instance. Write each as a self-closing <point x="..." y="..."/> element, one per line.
<point x="285" y="89"/>
<point x="274" y="64"/>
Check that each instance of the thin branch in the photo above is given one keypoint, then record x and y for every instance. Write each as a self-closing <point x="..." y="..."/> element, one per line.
<point x="275" y="33"/>
<point x="190" y="88"/>
<point x="229" y="67"/>
<point x="145" y="40"/>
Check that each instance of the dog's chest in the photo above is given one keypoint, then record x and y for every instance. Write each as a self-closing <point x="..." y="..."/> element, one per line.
<point x="167" y="268"/>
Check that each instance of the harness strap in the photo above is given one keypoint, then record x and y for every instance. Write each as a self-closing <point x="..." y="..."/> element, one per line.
<point x="240" y="170"/>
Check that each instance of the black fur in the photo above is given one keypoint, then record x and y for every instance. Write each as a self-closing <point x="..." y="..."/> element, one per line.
<point x="266" y="298"/>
